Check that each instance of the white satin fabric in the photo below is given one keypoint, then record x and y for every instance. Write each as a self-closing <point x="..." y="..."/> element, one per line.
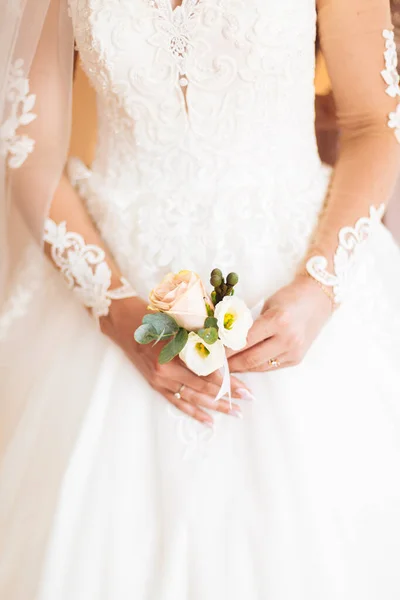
<point x="106" y="493"/>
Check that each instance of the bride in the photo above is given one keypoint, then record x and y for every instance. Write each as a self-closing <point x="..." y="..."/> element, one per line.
<point x="120" y="478"/>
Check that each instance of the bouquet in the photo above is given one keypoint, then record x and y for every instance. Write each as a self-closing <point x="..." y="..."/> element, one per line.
<point x="197" y="327"/>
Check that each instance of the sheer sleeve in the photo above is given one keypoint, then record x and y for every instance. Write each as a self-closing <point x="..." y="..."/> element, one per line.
<point x="39" y="202"/>
<point x="358" y="43"/>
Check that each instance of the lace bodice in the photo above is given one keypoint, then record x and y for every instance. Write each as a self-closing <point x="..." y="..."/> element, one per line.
<point x="210" y="75"/>
<point x="197" y="126"/>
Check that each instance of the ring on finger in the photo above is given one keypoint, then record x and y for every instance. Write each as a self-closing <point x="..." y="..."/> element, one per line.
<point x="178" y="394"/>
<point x="274" y="362"/>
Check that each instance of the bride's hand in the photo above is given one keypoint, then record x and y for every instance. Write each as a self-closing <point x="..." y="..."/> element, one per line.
<point x="291" y="320"/>
<point x="196" y="392"/>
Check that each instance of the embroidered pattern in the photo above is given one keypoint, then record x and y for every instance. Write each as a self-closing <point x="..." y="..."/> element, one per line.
<point x="174" y="28"/>
<point x="394" y="122"/>
<point x="194" y="436"/>
<point x="84" y="269"/>
<point x="18" y="147"/>
<point x="390" y="74"/>
<point x="351" y="239"/>
<point x="392" y="79"/>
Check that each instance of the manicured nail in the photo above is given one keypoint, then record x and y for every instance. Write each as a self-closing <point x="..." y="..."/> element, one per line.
<point x="245" y="394"/>
<point x="236" y="413"/>
<point x="208" y="424"/>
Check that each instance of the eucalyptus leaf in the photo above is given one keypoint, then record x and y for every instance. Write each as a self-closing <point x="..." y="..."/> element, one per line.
<point x="164" y="325"/>
<point x="211" y="322"/>
<point x="145" y="334"/>
<point x="209" y="335"/>
<point x="174" y="347"/>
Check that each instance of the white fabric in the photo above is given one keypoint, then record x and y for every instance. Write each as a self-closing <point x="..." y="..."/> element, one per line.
<point x="104" y="493"/>
<point x="348" y="256"/>
<point x="84" y="268"/>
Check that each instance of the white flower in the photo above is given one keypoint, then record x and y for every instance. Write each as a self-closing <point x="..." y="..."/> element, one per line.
<point x="201" y="358"/>
<point x="234" y="322"/>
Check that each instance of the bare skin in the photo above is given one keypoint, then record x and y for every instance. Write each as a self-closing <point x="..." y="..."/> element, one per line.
<point x="290" y="322"/>
<point x="197" y="394"/>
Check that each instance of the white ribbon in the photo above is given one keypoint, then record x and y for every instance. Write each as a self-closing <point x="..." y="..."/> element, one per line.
<point x="225" y="389"/>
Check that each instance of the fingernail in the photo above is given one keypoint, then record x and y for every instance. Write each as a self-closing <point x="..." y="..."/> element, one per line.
<point x="208" y="424"/>
<point x="236" y="413"/>
<point x="245" y="394"/>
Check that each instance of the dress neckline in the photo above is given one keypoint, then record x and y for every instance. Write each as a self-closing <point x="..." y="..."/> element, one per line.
<point x="167" y="5"/>
<point x="173" y="8"/>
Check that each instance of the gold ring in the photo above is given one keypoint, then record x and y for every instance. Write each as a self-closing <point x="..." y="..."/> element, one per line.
<point x="177" y="394"/>
<point x="274" y="362"/>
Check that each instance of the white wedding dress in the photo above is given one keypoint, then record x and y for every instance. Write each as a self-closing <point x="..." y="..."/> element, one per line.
<point x="106" y="492"/>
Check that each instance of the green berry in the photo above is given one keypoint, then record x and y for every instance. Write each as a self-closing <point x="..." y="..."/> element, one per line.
<point x="216" y="272"/>
<point x="216" y="279"/>
<point x="232" y="279"/>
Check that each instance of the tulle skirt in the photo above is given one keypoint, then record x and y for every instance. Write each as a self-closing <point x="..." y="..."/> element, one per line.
<point x="107" y="493"/>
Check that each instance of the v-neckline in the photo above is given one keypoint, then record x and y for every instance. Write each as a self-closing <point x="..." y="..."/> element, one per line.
<point x="177" y="6"/>
<point x="173" y="9"/>
<point x="176" y="18"/>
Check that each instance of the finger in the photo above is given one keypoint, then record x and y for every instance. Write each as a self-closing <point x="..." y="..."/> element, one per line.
<point x="222" y="406"/>
<point x="238" y="388"/>
<point x="190" y="409"/>
<point x="252" y="358"/>
<point x="266" y="326"/>
<point x="194" y="397"/>
<point x="276" y="363"/>
<point x="209" y="385"/>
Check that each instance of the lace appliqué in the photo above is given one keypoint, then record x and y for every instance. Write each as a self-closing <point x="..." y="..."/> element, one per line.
<point x="390" y="74"/>
<point x="85" y="269"/>
<point x="392" y="79"/>
<point x="194" y="436"/>
<point x="351" y="239"/>
<point x="174" y="28"/>
<point x="22" y="102"/>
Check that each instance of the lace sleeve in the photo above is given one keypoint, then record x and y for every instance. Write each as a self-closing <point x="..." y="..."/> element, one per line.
<point x="34" y="138"/>
<point x="358" y="43"/>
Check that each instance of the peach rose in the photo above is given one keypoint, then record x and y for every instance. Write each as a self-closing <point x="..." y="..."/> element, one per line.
<point x="183" y="297"/>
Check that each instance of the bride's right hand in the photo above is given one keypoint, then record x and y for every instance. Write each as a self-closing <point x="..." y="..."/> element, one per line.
<point x="196" y="392"/>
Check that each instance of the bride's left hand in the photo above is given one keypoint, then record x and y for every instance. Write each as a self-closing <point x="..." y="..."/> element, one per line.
<point x="290" y="321"/>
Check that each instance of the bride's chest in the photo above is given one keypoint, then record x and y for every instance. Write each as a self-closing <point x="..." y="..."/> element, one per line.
<point x="210" y="43"/>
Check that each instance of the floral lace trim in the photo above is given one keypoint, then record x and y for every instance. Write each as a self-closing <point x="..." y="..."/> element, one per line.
<point x="392" y="79"/>
<point x="350" y="241"/>
<point x="174" y="28"/>
<point x="390" y="74"/>
<point x="85" y="269"/>
<point x="394" y="122"/>
<point x="22" y="102"/>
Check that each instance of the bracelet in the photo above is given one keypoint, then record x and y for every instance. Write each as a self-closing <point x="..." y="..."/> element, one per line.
<point x="84" y="269"/>
<point x="326" y="291"/>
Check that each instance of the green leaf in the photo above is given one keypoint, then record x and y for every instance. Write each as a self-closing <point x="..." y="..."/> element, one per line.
<point x="210" y="310"/>
<point x="211" y="322"/>
<point x="145" y="334"/>
<point x="164" y="325"/>
<point x="209" y="335"/>
<point x="173" y="347"/>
